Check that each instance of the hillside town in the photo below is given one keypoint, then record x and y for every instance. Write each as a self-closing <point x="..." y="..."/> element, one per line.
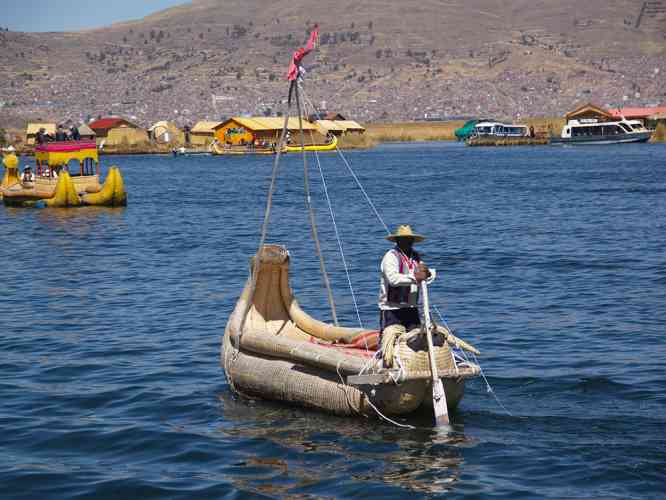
<point x="204" y="69"/>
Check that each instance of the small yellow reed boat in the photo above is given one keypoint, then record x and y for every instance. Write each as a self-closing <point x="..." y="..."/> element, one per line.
<point x="329" y="146"/>
<point x="56" y="186"/>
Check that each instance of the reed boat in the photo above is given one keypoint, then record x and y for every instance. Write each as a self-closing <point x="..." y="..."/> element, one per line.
<point x="218" y="149"/>
<point x="273" y="349"/>
<point x="329" y="146"/>
<point x="56" y="186"/>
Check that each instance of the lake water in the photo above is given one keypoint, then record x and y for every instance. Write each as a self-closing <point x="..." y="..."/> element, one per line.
<point x="552" y="261"/>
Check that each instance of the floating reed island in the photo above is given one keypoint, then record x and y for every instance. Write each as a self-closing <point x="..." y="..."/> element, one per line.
<point x="507" y="141"/>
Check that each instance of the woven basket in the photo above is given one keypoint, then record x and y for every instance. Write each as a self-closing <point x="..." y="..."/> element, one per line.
<point x="412" y="352"/>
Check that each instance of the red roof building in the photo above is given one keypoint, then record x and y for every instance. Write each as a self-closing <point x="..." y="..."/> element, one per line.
<point x="638" y="113"/>
<point x="102" y="126"/>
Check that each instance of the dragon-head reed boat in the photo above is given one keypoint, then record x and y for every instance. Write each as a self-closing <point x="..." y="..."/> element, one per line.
<point x="55" y="185"/>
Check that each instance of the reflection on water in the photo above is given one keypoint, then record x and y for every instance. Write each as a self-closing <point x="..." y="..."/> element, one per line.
<point x="301" y="448"/>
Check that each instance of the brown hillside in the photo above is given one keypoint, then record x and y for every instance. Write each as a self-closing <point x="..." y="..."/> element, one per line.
<point x="378" y="60"/>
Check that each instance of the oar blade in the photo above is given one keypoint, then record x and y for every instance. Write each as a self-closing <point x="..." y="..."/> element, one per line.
<point x="440" y="408"/>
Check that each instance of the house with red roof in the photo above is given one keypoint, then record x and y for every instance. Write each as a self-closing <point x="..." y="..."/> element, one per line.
<point x="102" y="126"/>
<point x="649" y="116"/>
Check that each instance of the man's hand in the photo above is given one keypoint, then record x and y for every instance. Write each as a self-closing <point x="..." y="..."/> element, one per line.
<point x="424" y="269"/>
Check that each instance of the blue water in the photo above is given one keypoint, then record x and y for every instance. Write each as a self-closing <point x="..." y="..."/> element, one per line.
<point x="552" y="261"/>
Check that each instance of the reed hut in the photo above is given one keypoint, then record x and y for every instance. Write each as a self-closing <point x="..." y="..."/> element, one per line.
<point x="33" y="128"/>
<point x="126" y="137"/>
<point x="104" y="126"/>
<point x="164" y="132"/>
<point x="329" y="127"/>
<point x="86" y="133"/>
<point x="253" y="130"/>
<point x="203" y="133"/>
<point x="350" y="126"/>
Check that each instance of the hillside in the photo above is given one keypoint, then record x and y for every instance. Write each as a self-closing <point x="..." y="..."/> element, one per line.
<point x="377" y="60"/>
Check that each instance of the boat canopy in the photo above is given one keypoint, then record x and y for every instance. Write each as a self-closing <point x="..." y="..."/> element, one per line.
<point x="61" y="153"/>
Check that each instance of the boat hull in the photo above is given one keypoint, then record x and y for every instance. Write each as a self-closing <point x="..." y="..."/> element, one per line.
<point x="281" y="380"/>
<point x="68" y="191"/>
<point x="330" y="146"/>
<point x="602" y="140"/>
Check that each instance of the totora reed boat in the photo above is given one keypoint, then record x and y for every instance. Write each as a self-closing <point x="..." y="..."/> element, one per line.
<point x="273" y="349"/>
<point x="280" y="352"/>
<point x="55" y="186"/>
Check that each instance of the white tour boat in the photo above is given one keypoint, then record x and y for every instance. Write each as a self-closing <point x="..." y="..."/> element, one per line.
<point x="593" y="131"/>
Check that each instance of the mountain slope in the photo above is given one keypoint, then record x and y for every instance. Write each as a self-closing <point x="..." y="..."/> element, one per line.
<point x="377" y="60"/>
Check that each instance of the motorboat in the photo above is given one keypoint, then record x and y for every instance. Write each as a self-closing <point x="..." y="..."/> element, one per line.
<point x="593" y="131"/>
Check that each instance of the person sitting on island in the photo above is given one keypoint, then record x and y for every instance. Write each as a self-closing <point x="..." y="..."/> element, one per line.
<point x="27" y="175"/>
<point x="402" y="271"/>
<point x="60" y="134"/>
<point x="40" y="137"/>
<point x="74" y="133"/>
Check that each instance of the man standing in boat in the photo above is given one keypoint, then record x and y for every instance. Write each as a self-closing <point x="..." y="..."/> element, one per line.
<point x="402" y="272"/>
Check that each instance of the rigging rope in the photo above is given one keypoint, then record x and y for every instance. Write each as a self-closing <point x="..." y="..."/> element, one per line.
<point x="264" y="226"/>
<point x="374" y="209"/>
<point x="308" y="203"/>
<point x="353" y="174"/>
<point x="337" y="235"/>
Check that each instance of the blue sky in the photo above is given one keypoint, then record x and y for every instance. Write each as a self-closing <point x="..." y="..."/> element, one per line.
<point x="72" y="15"/>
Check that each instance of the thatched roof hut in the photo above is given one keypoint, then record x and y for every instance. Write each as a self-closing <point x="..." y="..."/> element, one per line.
<point x="203" y="133"/>
<point x="246" y="130"/>
<point x="86" y="132"/>
<point x="126" y="137"/>
<point x="164" y="132"/>
<point x="350" y="126"/>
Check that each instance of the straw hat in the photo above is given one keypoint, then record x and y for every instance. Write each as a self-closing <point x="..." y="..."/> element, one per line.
<point x="405" y="231"/>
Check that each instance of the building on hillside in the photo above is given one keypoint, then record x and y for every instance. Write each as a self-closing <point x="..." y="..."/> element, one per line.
<point x="350" y="126"/>
<point x="252" y="130"/>
<point x="590" y="112"/>
<point x="649" y="116"/>
<point x="33" y="128"/>
<point x="102" y="126"/>
<point x="164" y="132"/>
<point x="203" y="133"/>
<point x="86" y="133"/>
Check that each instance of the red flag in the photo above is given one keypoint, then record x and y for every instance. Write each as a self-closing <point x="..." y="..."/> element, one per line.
<point x="301" y="53"/>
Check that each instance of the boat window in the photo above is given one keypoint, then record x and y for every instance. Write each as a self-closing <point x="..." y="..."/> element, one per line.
<point x="625" y="127"/>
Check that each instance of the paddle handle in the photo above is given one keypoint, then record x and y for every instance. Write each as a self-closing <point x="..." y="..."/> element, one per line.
<point x="440" y="409"/>
<point x="428" y="324"/>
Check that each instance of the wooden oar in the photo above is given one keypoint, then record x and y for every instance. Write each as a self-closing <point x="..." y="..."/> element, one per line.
<point x="438" y="394"/>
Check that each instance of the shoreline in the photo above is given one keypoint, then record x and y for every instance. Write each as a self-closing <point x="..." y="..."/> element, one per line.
<point x="376" y="133"/>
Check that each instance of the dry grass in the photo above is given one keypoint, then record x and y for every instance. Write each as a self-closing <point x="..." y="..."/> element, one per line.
<point x="659" y="135"/>
<point x="413" y="131"/>
<point x="445" y="131"/>
<point x="356" y="141"/>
